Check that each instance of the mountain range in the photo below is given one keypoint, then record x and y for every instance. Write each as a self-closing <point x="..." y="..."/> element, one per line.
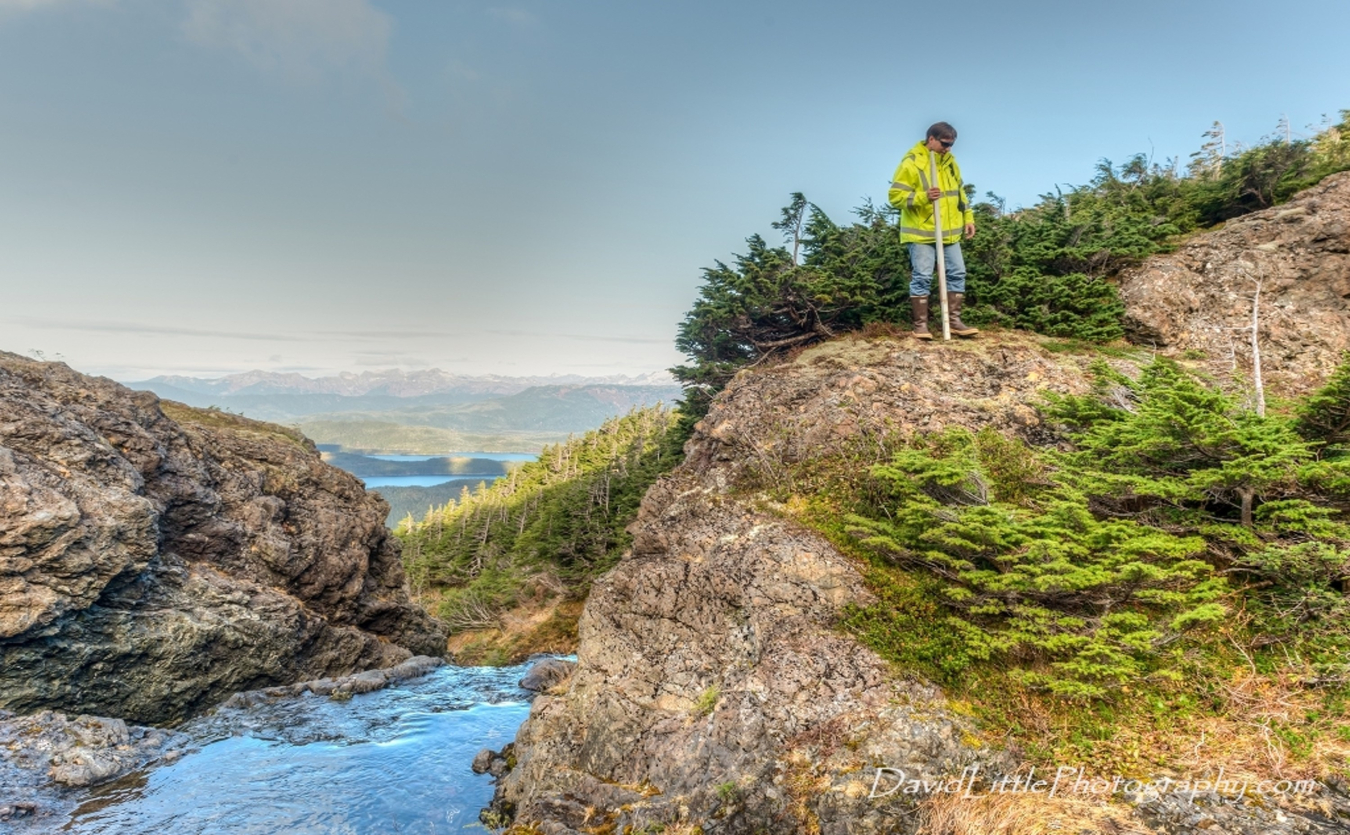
<point x="388" y="383"/>
<point x="423" y="411"/>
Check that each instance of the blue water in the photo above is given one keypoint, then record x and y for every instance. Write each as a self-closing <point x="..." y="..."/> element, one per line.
<point x="471" y="481"/>
<point x="393" y="761"/>
<point x="373" y="482"/>
<point x="493" y="456"/>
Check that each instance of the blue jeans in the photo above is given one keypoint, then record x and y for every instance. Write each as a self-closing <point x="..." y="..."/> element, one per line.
<point x="922" y="262"/>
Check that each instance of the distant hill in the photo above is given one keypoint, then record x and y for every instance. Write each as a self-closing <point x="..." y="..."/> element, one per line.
<point x="390" y="383"/>
<point x="424" y="411"/>
<point x="542" y="409"/>
<point x="418" y="500"/>
<point x="366" y="467"/>
<point x="287" y="407"/>
<point x="385" y="436"/>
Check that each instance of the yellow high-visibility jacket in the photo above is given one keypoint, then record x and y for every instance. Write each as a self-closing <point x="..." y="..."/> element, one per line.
<point x="909" y="194"/>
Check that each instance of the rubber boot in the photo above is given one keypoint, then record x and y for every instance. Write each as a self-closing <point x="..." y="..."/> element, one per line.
<point x="954" y="311"/>
<point x="919" y="306"/>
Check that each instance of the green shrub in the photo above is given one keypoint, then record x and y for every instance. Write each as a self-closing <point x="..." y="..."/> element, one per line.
<point x="1028" y="573"/>
<point x="1084" y="570"/>
<point x="706" y="702"/>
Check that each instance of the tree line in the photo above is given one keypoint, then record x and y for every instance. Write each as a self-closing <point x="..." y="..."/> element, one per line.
<point x="547" y="528"/>
<point x="1046" y="268"/>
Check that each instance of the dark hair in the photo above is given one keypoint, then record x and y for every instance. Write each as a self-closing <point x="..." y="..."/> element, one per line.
<point x="941" y="130"/>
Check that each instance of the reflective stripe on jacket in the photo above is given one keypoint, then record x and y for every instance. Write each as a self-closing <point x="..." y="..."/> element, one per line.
<point x="909" y="194"/>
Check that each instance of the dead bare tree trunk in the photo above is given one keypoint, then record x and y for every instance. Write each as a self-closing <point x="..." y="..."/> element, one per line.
<point x="1258" y="383"/>
<point x="1256" y="352"/>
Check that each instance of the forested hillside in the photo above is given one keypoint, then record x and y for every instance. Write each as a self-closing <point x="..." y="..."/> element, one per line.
<point x="537" y="538"/>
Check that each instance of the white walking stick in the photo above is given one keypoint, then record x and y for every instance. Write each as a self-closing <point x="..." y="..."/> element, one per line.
<point x="937" y="239"/>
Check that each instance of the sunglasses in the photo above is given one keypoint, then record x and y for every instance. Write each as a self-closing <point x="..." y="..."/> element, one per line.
<point x="946" y="143"/>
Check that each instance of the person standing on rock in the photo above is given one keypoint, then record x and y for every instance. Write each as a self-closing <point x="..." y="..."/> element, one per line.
<point x="915" y="194"/>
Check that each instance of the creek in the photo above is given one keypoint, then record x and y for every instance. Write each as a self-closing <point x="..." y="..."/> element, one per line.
<point x="392" y="761"/>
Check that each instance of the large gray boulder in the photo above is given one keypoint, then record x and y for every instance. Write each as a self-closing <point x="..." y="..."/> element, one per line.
<point x="546" y="674"/>
<point x="155" y="558"/>
<point x="1194" y="302"/>
<point x="711" y="687"/>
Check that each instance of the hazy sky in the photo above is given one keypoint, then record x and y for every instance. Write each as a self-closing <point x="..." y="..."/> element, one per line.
<point x="203" y="186"/>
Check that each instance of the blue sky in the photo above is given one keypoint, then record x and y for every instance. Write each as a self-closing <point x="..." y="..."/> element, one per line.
<point x="205" y="186"/>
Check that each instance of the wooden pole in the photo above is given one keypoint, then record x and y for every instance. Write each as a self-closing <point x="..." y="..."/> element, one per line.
<point x="937" y="240"/>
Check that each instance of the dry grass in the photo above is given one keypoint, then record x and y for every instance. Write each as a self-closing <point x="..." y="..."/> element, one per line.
<point x="1257" y="727"/>
<point x="881" y="330"/>
<point x="1270" y="728"/>
<point x="803" y="783"/>
<point x="826" y="738"/>
<point x="535" y="627"/>
<point x="1018" y="814"/>
<point x="216" y="419"/>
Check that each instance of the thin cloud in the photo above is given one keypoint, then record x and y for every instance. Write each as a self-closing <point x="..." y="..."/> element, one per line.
<point x="391" y="359"/>
<point x="157" y="330"/>
<point x="164" y="330"/>
<point x="300" y="39"/>
<point x="18" y="6"/>
<point x="513" y="15"/>
<point x="322" y="337"/>
<point x="395" y="334"/>
<point x="584" y="337"/>
<point x="126" y="374"/>
<point x="451" y="334"/>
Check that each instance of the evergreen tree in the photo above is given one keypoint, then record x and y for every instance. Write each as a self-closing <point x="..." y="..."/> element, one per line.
<point x="1324" y="417"/>
<point x="1188" y="446"/>
<point x="1047" y="268"/>
<point x="1030" y="573"/>
<point x="562" y="518"/>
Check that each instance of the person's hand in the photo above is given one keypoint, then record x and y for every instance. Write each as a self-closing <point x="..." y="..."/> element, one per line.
<point x="970" y="230"/>
<point x="934" y="194"/>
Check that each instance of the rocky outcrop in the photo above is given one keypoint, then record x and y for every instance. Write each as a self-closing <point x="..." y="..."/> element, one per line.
<point x="1194" y="302"/>
<point x="711" y="687"/>
<point x="342" y="687"/>
<point x="713" y="691"/>
<point x="547" y="674"/>
<point x="155" y="558"/>
<point x="50" y="747"/>
<point x="44" y="755"/>
<point x="708" y="673"/>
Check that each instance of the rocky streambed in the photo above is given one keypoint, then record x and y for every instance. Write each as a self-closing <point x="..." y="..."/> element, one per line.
<point x="376" y="752"/>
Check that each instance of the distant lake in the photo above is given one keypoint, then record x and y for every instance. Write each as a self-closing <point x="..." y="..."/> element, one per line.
<point x="495" y="456"/>
<point x="425" y="480"/>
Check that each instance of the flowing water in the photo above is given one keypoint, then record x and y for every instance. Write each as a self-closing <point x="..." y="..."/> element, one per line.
<point x="393" y="761"/>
